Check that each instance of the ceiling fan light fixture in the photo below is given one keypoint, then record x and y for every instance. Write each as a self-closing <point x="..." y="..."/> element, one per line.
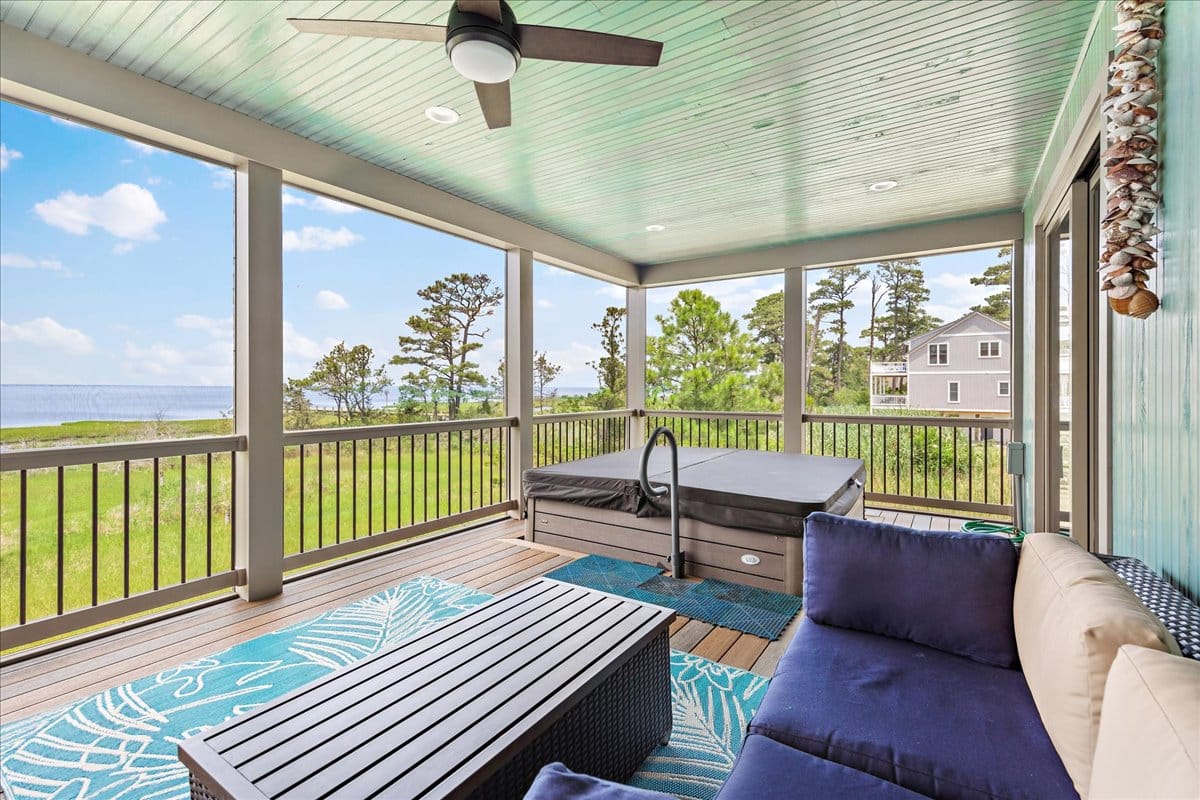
<point x="483" y="59"/>
<point x="656" y="228"/>
<point x="882" y="186"/>
<point x="442" y="115"/>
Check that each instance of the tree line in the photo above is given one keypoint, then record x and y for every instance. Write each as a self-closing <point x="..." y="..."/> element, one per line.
<point x="704" y="357"/>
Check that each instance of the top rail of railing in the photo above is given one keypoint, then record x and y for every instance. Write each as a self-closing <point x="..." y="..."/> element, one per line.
<point x="663" y="412"/>
<point x="361" y="432"/>
<point x="574" y="415"/>
<point x="905" y="420"/>
<point x="45" y="457"/>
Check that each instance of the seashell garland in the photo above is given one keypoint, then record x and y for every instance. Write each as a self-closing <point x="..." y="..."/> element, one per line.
<point x="1130" y="160"/>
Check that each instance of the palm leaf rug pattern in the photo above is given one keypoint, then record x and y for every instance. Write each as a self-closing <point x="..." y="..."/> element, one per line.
<point x="121" y="744"/>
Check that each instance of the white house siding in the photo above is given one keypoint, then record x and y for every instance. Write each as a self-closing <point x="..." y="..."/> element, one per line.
<point x="977" y="377"/>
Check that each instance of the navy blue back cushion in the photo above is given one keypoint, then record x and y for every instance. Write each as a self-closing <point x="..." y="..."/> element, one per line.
<point x="556" y="782"/>
<point x="947" y="590"/>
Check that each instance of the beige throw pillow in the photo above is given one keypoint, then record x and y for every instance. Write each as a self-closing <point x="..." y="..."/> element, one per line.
<point x="1071" y="614"/>
<point x="1149" y="744"/>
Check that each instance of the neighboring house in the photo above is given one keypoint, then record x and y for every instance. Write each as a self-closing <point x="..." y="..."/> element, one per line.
<point x="960" y="369"/>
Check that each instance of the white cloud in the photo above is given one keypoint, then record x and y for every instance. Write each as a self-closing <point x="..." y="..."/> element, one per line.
<point x="211" y="364"/>
<point x="331" y="206"/>
<point x="121" y="248"/>
<point x="222" y="177"/>
<point x="49" y="333"/>
<point x="318" y="203"/>
<point x="8" y="156"/>
<point x="544" y="303"/>
<point x="312" y="237"/>
<point x="573" y="359"/>
<point x="214" y="327"/>
<point x="960" y="292"/>
<point x="612" y="291"/>
<point x="330" y="300"/>
<point x="736" y="296"/>
<point x="127" y="211"/>
<point x="153" y="180"/>
<point x="297" y="345"/>
<point x="142" y="147"/>
<point x="67" y="123"/>
<point x="157" y="359"/>
<point x="21" y="261"/>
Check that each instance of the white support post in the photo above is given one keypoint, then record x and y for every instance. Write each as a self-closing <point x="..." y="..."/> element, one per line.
<point x="258" y="379"/>
<point x="635" y="363"/>
<point x="518" y="366"/>
<point x="795" y="377"/>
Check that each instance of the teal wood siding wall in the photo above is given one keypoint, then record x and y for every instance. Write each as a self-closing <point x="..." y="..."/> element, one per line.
<point x="1156" y="362"/>
<point x="1094" y="63"/>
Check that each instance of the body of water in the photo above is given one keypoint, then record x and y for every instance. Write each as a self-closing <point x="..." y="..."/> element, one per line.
<point x="25" y="405"/>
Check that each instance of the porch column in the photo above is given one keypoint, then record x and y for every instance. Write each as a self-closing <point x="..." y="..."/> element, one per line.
<point x="518" y="365"/>
<point x="258" y="377"/>
<point x="635" y="362"/>
<point x="795" y="376"/>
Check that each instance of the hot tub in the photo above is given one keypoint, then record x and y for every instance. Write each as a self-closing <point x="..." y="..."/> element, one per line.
<point x="741" y="511"/>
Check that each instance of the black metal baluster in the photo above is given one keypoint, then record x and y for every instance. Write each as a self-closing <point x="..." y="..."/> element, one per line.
<point x="155" y="523"/>
<point x="370" y="486"/>
<point x="95" y="534"/>
<point x="208" y="514"/>
<point x="320" y="494"/>
<point x="301" y="498"/>
<point x="125" y="526"/>
<point x="985" y="437"/>
<point x="337" y="479"/>
<point x="954" y="430"/>
<point x="383" y="490"/>
<point x="233" y="510"/>
<point x="23" y="550"/>
<point x="437" y="476"/>
<point x="183" y="519"/>
<point x="61" y="534"/>
<point x="353" y="489"/>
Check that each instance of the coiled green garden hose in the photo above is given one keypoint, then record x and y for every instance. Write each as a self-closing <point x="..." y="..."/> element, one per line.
<point x="981" y="526"/>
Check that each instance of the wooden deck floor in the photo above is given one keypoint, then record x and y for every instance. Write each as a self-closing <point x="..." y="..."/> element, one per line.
<point x="491" y="558"/>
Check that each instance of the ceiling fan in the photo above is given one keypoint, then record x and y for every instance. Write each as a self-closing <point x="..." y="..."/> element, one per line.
<point x="486" y="44"/>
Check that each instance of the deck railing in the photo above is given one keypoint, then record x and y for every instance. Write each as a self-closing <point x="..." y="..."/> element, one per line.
<point x="352" y="489"/>
<point x="567" y="437"/>
<point x="936" y="463"/>
<point x="102" y="532"/>
<point x="746" y="431"/>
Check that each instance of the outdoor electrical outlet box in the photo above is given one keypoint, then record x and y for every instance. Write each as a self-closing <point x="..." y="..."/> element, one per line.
<point x="1016" y="458"/>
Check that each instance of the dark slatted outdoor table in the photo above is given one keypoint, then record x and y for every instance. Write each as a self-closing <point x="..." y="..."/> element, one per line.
<point x="472" y="708"/>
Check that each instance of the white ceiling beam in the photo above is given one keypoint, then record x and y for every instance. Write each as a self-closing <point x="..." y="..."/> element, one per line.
<point x="912" y="241"/>
<point x="40" y="73"/>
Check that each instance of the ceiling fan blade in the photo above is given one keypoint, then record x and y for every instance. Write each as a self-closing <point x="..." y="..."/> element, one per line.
<point x="586" y="47"/>
<point x="487" y="8"/>
<point x="496" y="104"/>
<point x="373" y="28"/>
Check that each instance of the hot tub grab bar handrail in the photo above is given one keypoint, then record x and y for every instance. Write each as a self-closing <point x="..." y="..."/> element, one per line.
<point x="659" y="491"/>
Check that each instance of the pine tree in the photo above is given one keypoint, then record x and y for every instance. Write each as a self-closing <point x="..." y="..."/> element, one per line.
<point x="998" y="306"/>
<point x="831" y="297"/>
<point x="445" y="333"/>
<point x="906" y="316"/>
<point x="878" y="292"/>
<point x="544" y="373"/>
<point x="765" y="320"/>
<point x="610" y="367"/>
<point x="702" y="360"/>
<point x="349" y="377"/>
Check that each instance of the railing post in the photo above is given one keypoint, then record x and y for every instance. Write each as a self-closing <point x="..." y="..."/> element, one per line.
<point x="518" y="365"/>
<point x="258" y="375"/>
<point x="635" y="363"/>
<point x="795" y="376"/>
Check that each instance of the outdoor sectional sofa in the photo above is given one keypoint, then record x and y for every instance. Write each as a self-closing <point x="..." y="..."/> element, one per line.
<point x="934" y="664"/>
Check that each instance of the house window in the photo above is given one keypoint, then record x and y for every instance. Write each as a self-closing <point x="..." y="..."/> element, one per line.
<point x="989" y="349"/>
<point x="952" y="392"/>
<point x="938" y="354"/>
<point x="1002" y="389"/>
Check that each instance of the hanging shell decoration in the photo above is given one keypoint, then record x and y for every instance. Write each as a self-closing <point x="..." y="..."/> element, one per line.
<point x="1130" y="160"/>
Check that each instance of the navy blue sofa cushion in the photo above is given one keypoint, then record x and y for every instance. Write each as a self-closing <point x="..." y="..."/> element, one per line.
<point x="952" y="591"/>
<point x="935" y="723"/>
<point x="766" y="768"/>
<point x="556" y="782"/>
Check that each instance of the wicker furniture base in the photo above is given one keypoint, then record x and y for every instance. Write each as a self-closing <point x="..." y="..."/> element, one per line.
<point x="471" y="709"/>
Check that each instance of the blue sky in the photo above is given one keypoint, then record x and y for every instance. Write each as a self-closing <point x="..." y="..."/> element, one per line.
<point x="117" y="268"/>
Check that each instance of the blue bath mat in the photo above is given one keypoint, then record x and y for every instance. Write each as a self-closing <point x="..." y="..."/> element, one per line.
<point x="121" y="744"/>
<point x="744" y="608"/>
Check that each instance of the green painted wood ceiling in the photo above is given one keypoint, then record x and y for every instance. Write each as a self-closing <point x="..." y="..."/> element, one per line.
<point x="764" y="124"/>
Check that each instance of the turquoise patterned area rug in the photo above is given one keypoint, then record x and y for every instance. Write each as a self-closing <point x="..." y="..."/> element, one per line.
<point x="748" y="609"/>
<point x="121" y="743"/>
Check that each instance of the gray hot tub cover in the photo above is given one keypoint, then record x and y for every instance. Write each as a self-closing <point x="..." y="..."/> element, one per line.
<point x="770" y="492"/>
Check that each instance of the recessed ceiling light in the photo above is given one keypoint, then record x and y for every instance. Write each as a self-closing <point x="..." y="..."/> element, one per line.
<point x="442" y="115"/>
<point x="883" y="186"/>
<point x="656" y="228"/>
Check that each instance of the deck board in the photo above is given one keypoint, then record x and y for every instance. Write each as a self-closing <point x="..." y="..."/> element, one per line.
<point x="491" y="558"/>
